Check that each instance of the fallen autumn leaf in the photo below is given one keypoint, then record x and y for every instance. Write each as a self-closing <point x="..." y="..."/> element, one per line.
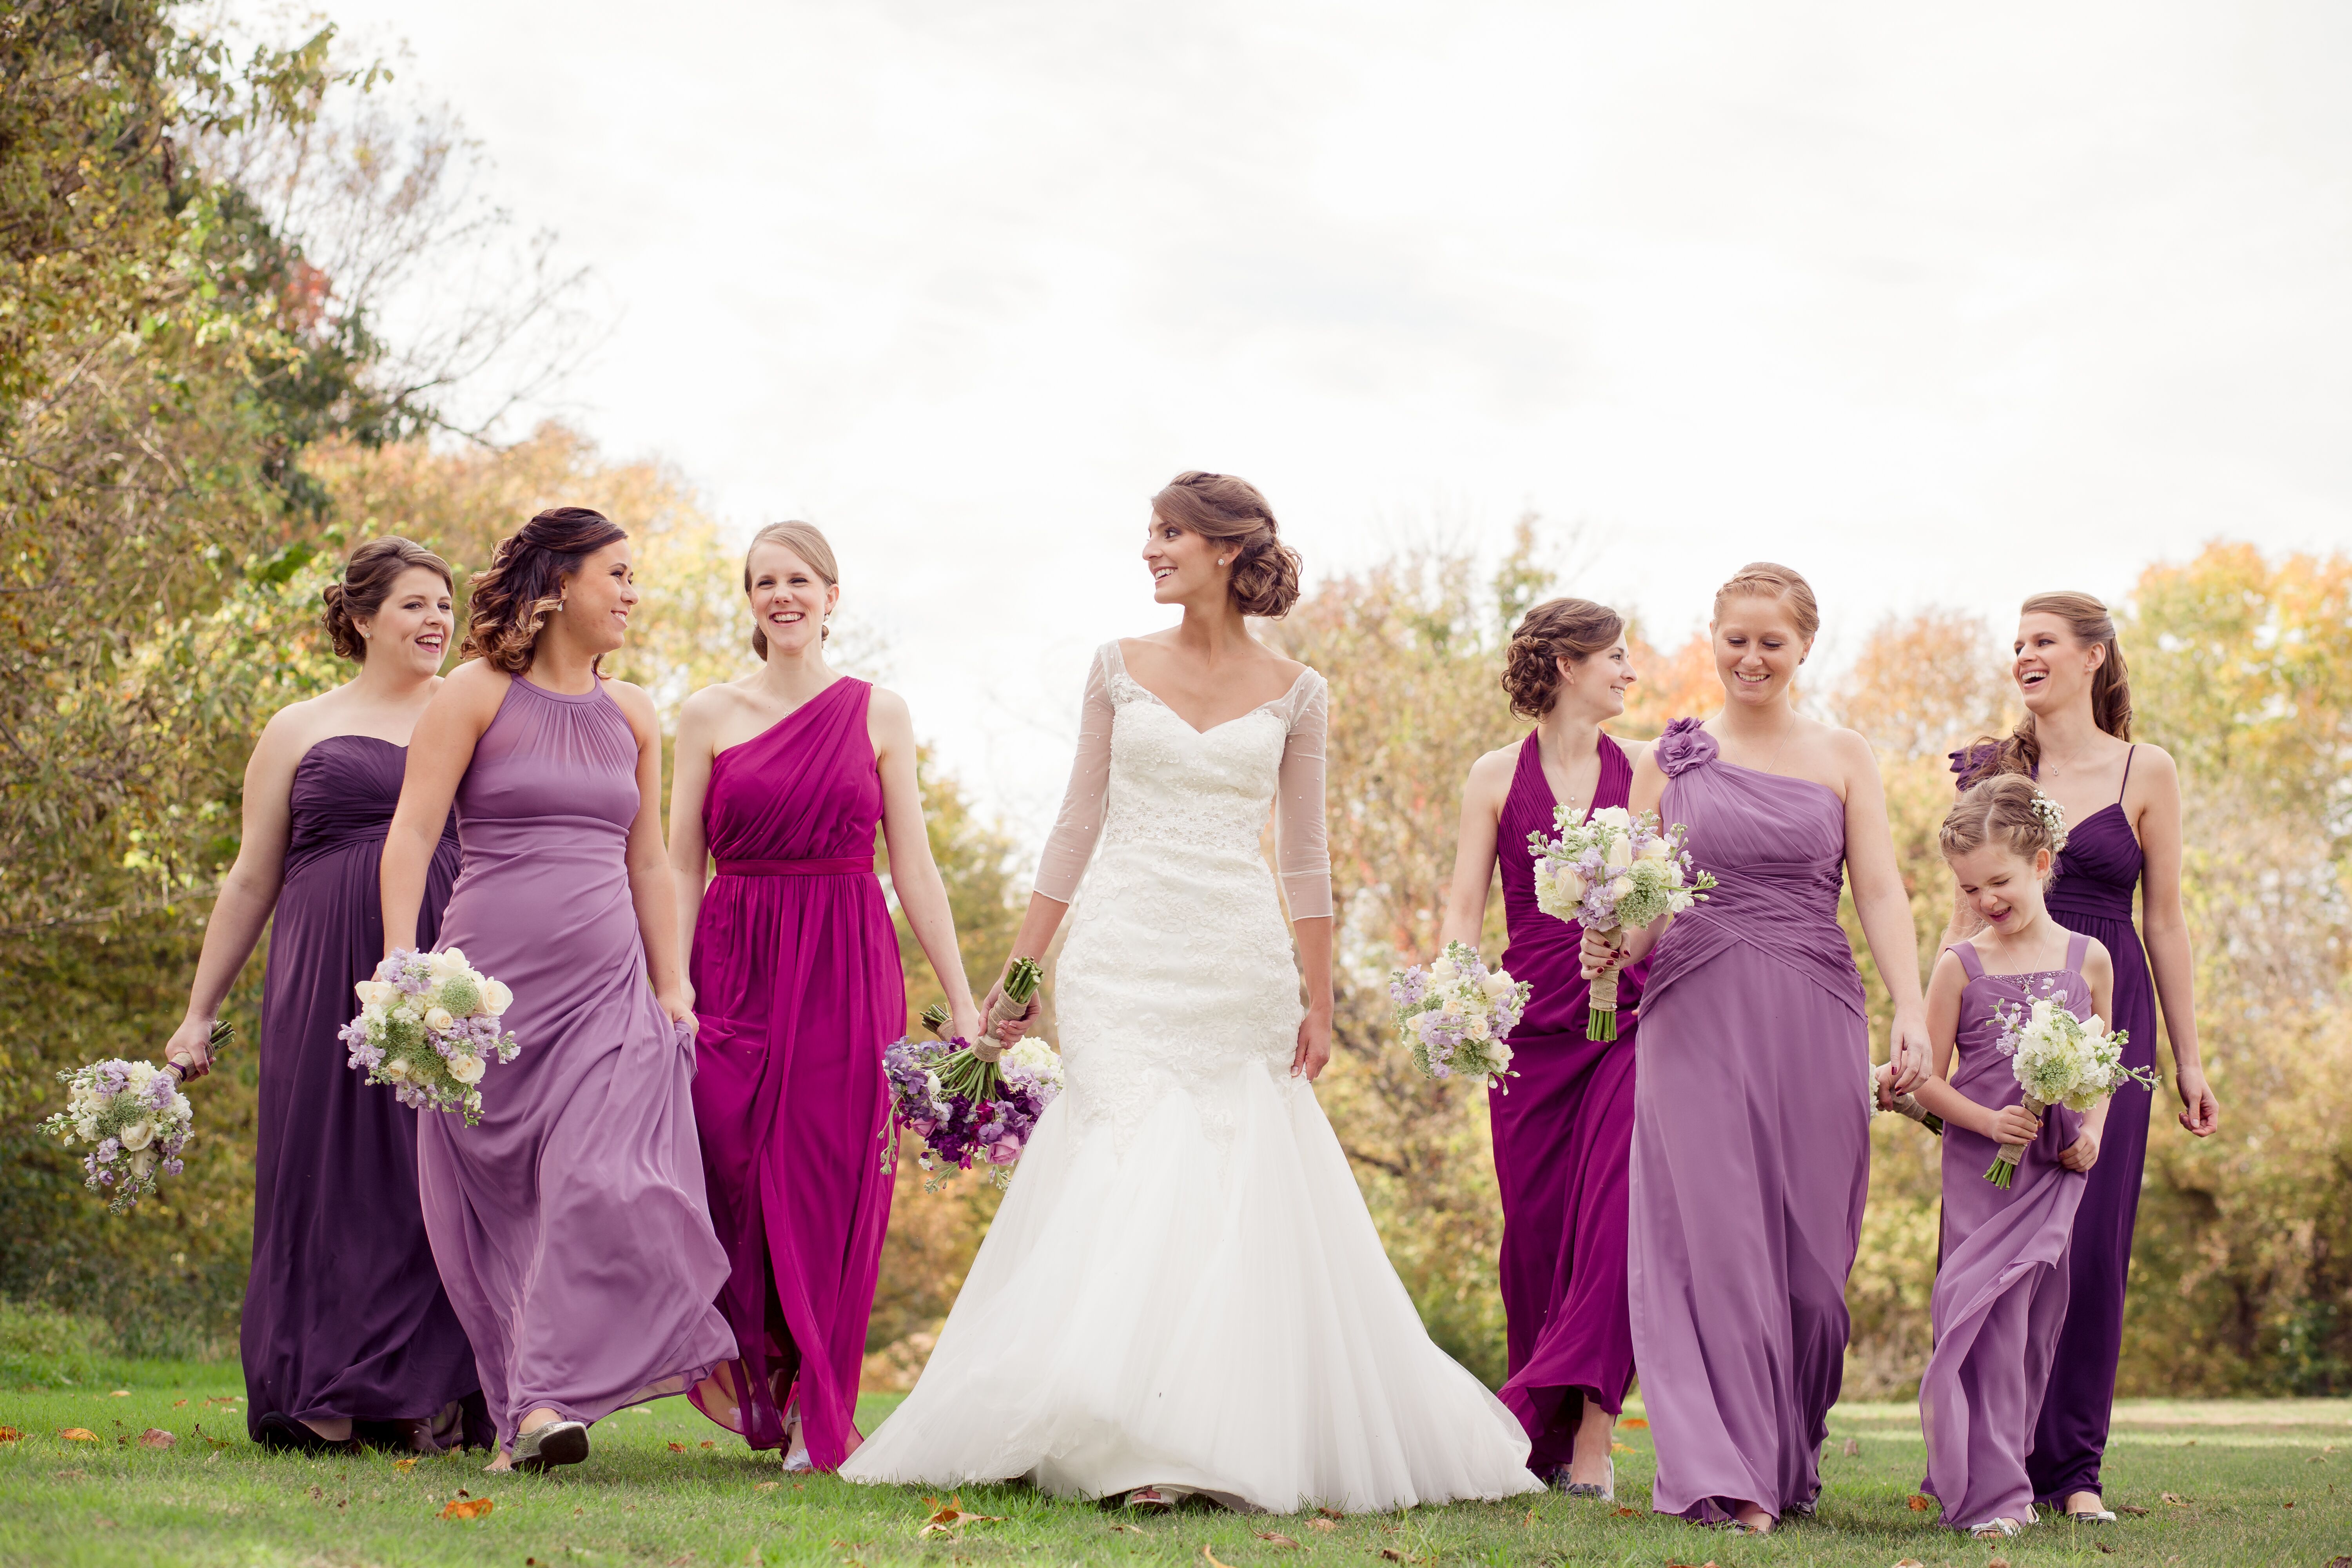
<point x="78" y="1435"/>
<point x="1320" y="1524"/>
<point x="10" y="1435"/>
<point x="1276" y="1538"/>
<point x="1918" y="1504"/>
<point x="465" y="1508"/>
<point x="1635" y="1424"/>
<point x="1854" y="1447"/>
<point x="157" y="1437"/>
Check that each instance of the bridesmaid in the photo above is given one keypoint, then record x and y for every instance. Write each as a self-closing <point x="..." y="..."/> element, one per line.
<point x="346" y="1331"/>
<point x="1561" y="1134"/>
<point x="783" y="776"/>
<point x="570" y="1226"/>
<point x="2122" y="806"/>
<point x="1751" y="1113"/>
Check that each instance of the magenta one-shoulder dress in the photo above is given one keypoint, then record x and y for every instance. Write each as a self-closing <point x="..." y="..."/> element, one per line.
<point x="2001" y="1288"/>
<point x="1562" y="1139"/>
<point x="798" y="985"/>
<point x="570" y="1224"/>
<point x="1751" y="1142"/>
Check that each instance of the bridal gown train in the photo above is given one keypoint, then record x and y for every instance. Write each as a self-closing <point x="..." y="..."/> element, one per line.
<point x="1184" y="1285"/>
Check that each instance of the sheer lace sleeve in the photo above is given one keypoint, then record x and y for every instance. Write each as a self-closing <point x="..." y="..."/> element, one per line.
<point x="1300" y="848"/>
<point x="1079" y="825"/>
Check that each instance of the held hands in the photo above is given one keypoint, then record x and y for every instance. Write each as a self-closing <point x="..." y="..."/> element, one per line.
<point x="1909" y="1056"/>
<point x="190" y="1046"/>
<point x="2201" y="1113"/>
<point x="1314" y="1052"/>
<point x="2082" y="1153"/>
<point x="992" y="1044"/>
<point x="2015" y="1124"/>
<point x="1882" y="1079"/>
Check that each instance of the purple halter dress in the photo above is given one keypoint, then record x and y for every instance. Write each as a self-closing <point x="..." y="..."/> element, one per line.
<point x="1562" y="1137"/>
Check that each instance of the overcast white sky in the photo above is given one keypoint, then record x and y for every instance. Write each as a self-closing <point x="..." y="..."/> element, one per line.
<point x="1936" y="303"/>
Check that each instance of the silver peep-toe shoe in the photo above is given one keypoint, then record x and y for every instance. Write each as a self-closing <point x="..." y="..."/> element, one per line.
<point x="557" y="1442"/>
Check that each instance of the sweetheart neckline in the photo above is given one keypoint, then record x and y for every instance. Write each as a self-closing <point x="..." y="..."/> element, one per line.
<point x="1304" y="671"/>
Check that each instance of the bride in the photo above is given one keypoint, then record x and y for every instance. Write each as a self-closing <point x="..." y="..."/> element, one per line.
<point x="1183" y="1291"/>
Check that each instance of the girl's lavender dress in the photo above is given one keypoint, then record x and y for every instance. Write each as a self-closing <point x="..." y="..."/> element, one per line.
<point x="799" y="988"/>
<point x="1751" y="1142"/>
<point x="343" y="1314"/>
<point x="570" y="1226"/>
<point x="2092" y="893"/>
<point x="1562" y="1136"/>
<point x="2001" y="1290"/>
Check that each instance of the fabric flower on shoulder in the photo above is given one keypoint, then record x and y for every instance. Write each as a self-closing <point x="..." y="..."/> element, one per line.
<point x="1976" y="761"/>
<point x="1684" y="746"/>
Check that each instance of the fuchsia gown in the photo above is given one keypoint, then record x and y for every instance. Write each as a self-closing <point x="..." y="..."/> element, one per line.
<point x="1563" y="1136"/>
<point x="798" y="985"/>
<point x="2000" y="1291"/>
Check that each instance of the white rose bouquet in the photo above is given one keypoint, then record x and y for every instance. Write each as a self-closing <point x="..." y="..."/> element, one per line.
<point x="135" y="1120"/>
<point x="1457" y="1014"/>
<point x="428" y="1026"/>
<point x="2060" y="1061"/>
<point x="1610" y="870"/>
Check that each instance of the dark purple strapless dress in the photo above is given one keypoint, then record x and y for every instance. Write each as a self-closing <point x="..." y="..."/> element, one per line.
<point x="2000" y="1290"/>
<point x="2098" y="872"/>
<point x="1751" y="1142"/>
<point x="1562" y="1139"/>
<point x="570" y="1226"/>
<point x="344" y="1316"/>
<point x="798" y="985"/>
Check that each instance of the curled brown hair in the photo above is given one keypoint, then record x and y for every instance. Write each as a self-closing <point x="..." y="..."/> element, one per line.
<point x="2021" y="751"/>
<point x="2005" y="809"/>
<point x="511" y="601"/>
<point x="367" y="581"/>
<point x="1570" y="629"/>
<point x="804" y="541"/>
<point x="1265" y="579"/>
<point x="1769" y="579"/>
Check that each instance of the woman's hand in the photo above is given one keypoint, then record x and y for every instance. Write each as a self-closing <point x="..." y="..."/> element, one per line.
<point x="2201" y="1113"/>
<point x="1882" y="1079"/>
<point x="2084" y="1152"/>
<point x="1010" y="1031"/>
<point x="2015" y="1124"/>
<point x="190" y="1046"/>
<point x="677" y="1003"/>
<point x="1910" y="1055"/>
<point x="1600" y="951"/>
<point x="1314" y="1052"/>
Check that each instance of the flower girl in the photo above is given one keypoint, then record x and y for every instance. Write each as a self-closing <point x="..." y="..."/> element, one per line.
<point x="2000" y="1293"/>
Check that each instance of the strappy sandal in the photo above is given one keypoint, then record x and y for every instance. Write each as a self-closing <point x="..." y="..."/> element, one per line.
<point x="1994" y="1529"/>
<point x="1558" y="1480"/>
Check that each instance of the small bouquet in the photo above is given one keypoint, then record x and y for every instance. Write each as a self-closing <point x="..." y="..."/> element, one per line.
<point x="2060" y="1061"/>
<point x="135" y="1118"/>
<point x="1457" y="1014"/>
<point x="965" y="1109"/>
<point x="1610" y="870"/>
<point x="1903" y="1104"/>
<point x="428" y="1026"/>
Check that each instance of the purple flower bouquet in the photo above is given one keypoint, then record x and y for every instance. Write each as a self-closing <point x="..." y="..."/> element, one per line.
<point x="135" y="1120"/>
<point x="429" y="1026"/>
<point x="966" y="1111"/>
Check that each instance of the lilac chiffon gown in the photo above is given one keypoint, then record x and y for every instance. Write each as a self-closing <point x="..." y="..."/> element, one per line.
<point x="1562" y="1136"/>
<point x="570" y="1226"/>
<point x="1751" y="1142"/>
<point x="341" y="1319"/>
<point x="2001" y="1290"/>
<point x="2097" y="873"/>
<point x="798" y="985"/>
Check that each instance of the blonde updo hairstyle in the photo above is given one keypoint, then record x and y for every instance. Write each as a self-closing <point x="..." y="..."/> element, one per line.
<point x="2005" y="809"/>
<point x="1557" y="629"/>
<point x="367" y="581"/>
<point x="1231" y="511"/>
<point x="1769" y="579"/>
<point x="804" y="541"/>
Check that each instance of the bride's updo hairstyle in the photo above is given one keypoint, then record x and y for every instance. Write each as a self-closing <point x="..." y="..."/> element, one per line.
<point x="1769" y="579"/>
<point x="1570" y="629"/>
<point x="1231" y="511"/>
<point x="512" y="600"/>
<point x="804" y="541"/>
<point x="367" y="582"/>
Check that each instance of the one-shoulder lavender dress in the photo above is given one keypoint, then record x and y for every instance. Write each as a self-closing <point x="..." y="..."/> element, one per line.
<point x="2001" y="1290"/>
<point x="344" y="1316"/>
<point x="570" y="1226"/>
<point x="1563" y="1137"/>
<point x="799" y="988"/>
<point x="1751" y="1142"/>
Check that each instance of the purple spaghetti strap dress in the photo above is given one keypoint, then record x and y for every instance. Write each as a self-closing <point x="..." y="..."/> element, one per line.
<point x="2097" y="873"/>
<point x="1751" y="1142"/>
<point x="2001" y="1290"/>
<point x="798" y="985"/>
<point x="1562" y="1136"/>
<point x="570" y="1224"/>
<point x="344" y="1316"/>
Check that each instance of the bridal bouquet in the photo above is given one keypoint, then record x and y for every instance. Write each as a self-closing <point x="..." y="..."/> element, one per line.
<point x="1454" y="1015"/>
<point x="2060" y="1061"/>
<point x="134" y="1118"/>
<point x="1610" y="870"/>
<point x="964" y="1109"/>
<point x="428" y="1026"/>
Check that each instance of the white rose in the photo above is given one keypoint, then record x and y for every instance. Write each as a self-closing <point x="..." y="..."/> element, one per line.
<point x="447" y="962"/>
<point x="142" y="1165"/>
<point x="1443" y="972"/>
<point x="138" y="1135"/>
<point x="495" y="998"/>
<point x="1572" y="883"/>
<point x="1496" y="986"/>
<point x="437" y="1018"/>
<point x="395" y="1070"/>
<point x="1656" y="849"/>
<point x="465" y="1068"/>
<point x="1621" y="887"/>
<point x="377" y="994"/>
<point x="1500" y="1054"/>
<point x="88" y="1127"/>
<point x="1616" y="817"/>
<point x="1477" y="1029"/>
<point x="1620" y="856"/>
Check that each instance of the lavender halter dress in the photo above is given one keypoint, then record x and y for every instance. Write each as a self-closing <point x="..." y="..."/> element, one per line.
<point x="2000" y="1291"/>
<point x="1751" y="1142"/>
<point x="1562" y="1138"/>
<point x="570" y="1226"/>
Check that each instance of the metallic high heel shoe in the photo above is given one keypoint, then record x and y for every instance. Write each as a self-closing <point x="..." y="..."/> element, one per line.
<point x="1606" y="1492"/>
<point x="557" y="1442"/>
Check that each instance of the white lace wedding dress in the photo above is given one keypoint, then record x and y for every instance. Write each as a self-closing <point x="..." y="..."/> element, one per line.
<point x="1182" y="1286"/>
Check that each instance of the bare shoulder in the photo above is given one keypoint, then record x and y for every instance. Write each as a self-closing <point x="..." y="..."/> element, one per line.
<point x="1636" y="751"/>
<point x="1848" y="746"/>
<point x="883" y="706"/>
<point x="2154" y="763"/>
<point x="637" y="705"/>
<point x="2096" y="956"/>
<point x="1948" y="969"/>
<point x="475" y="682"/>
<point x="1490" y="775"/>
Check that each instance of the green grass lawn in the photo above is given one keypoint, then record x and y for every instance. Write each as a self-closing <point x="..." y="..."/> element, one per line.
<point x="2250" y="1482"/>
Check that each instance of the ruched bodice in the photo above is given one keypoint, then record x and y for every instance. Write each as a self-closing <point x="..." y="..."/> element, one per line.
<point x="2098" y="871"/>
<point x="805" y="789"/>
<point x="345" y="788"/>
